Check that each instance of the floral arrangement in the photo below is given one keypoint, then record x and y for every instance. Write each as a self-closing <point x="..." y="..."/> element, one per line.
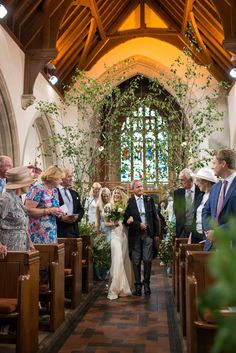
<point x="114" y="212"/>
<point x="166" y="246"/>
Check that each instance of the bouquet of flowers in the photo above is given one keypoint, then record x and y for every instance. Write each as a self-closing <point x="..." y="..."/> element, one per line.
<point x="114" y="212"/>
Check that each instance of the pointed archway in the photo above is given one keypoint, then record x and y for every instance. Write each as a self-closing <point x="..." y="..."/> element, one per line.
<point x="9" y="142"/>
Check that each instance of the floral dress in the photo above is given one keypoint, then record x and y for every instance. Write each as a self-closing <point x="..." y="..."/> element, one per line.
<point x="43" y="229"/>
<point x="13" y="222"/>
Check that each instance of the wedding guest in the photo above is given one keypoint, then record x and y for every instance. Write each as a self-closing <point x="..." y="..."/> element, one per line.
<point x="5" y="165"/>
<point x="205" y="179"/>
<point x="91" y="203"/>
<point x="43" y="206"/>
<point x="13" y="215"/>
<point x="67" y="225"/>
<point x="184" y="201"/>
<point x="121" y="275"/>
<point x="221" y="205"/>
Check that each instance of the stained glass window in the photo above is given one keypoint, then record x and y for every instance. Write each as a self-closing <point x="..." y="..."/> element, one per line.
<point x="144" y="147"/>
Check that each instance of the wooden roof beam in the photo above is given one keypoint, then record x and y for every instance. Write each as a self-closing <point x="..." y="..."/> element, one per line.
<point x="187" y="9"/>
<point x="199" y="39"/>
<point x="141" y="32"/>
<point x="95" y="13"/>
<point x="142" y="14"/>
<point x="160" y="12"/>
<point x="125" y="13"/>
<point x="92" y="30"/>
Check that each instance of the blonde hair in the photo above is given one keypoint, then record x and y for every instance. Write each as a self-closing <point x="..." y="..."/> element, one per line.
<point x="95" y="185"/>
<point x="100" y="203"/>
<point x="124" y="197"/>
<point x="52" y="173"/>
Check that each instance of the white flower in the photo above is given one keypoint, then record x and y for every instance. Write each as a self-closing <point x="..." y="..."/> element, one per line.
<point x="100" y="149"/>
<point x="120" y="210"/>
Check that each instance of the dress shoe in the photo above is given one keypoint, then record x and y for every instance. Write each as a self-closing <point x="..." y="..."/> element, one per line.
<point x="138" y="290"/>
<point x="147" y="290"/>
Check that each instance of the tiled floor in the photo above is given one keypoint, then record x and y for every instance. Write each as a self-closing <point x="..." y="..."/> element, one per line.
<point x="128" y="325"/>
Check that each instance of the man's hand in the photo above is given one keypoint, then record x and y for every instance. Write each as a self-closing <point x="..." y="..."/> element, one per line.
<point x="3" y="251"/>
<point x="210" y="235"/>
<point x="69" y="218"/>
<point x="143" y="226"/>
<point x="130" y="220"/>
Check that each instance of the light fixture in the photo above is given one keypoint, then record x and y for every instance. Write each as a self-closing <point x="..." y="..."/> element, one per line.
<point x="3" y="11"/>
<point x="233" y="70"/>
<point x="53" y="79"/>
<point x="50" y="72"/>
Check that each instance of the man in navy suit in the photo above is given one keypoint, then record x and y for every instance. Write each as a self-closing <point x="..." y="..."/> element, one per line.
<point x="184" y="203"/>
<point x="221" y="205"/>
<point x="67" y="225"/>
<point x="142" y="234"/>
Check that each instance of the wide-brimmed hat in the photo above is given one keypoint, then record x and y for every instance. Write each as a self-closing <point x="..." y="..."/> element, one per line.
<point x="18" y="177"/>
<point x="205" y="174"/>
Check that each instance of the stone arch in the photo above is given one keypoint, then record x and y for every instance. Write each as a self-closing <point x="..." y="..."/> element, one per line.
<point x="138" y="65"/>
<point x="9" y="141"/>
<point x="36" y="142"/>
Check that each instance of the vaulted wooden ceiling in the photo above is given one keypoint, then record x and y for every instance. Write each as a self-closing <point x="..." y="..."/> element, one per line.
<point x="76" y="33"/>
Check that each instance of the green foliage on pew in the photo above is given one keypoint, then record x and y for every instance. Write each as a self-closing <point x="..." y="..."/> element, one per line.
<point x="221" y="298"/>
<point x="100" y="247"/>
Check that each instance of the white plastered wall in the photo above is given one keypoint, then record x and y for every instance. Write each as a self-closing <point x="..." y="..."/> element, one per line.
<point x="12" y="68"/>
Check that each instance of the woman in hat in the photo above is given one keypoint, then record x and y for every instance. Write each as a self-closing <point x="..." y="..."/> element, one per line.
<point x="42" y="203"/>
<point x="13" y="215"/>
<point x="205" y="178"/>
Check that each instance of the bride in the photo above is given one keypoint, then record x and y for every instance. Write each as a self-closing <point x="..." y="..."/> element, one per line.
<point x="121" y="273"/>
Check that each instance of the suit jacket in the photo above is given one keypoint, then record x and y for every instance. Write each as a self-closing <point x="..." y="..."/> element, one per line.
<point x="70" y="229"/>
<point x="134" y="231"/>
<point x="179" y="206"/>
<point x="228" y="208"/>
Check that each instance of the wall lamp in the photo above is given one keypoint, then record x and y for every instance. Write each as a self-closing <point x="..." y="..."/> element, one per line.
<point x="233" y="70"/>
<point x="3" y="11"/>
<point x="50" y="72"/>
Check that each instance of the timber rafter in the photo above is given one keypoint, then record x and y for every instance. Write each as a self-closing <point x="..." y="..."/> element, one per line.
<point x="76" y="33"/>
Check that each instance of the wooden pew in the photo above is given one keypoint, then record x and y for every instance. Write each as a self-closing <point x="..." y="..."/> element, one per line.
<point x="19" y="293"/>
<point x="52" y="257"/>
<point x="175" y="269"/>
<point x="183" y="248"/>
<point x="87" y="264"/>
<point x="73" y="268"/>
<point x="200" y="333"/>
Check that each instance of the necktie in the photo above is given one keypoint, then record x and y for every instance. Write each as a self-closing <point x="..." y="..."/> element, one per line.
<point x="221" y="198"/>
<point x="66" y="193"/>
<point x="189" y="200"/>
<point x="2" y="182"/>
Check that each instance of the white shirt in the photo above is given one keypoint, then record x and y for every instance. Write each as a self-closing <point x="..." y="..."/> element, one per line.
<point x="141" y="208"/>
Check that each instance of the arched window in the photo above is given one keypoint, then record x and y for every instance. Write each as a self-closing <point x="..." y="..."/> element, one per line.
<point x="144" y="147"/>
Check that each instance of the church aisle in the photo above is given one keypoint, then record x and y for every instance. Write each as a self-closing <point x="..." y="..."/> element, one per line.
<point x="128" y="325"/>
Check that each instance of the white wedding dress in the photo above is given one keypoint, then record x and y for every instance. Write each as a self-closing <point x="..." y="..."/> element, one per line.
<point x="121" y="271"/>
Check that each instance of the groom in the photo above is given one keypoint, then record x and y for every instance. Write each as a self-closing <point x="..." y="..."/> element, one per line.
<point x="142" y="230"/>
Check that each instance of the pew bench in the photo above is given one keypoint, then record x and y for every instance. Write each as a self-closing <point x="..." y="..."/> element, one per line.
<point x="183" y="249"/>
<point x="19" y="295"/>
<point x="200" y="333"/>
<point x="73" y="269"/>
<point x="175" y="269"/>
<point x="87" y="264"/>
<point x="52" y="259"/>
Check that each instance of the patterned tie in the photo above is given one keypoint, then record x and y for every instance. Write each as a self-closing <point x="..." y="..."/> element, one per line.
<point x="221" y="198"/>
